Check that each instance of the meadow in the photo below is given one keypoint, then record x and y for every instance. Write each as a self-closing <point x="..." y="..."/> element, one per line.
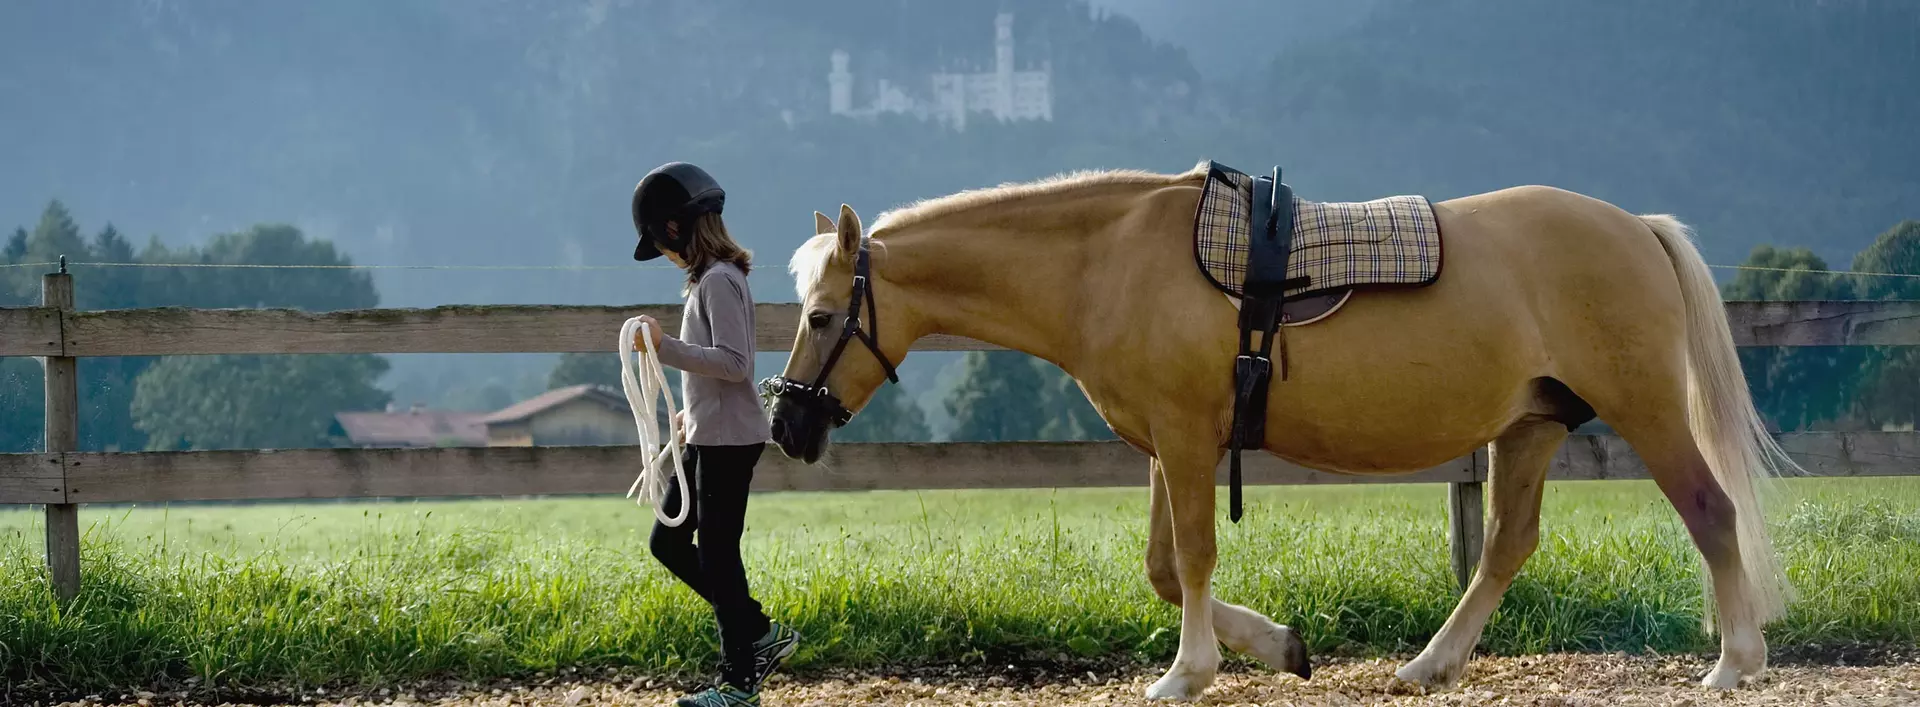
<point x="373" y="593"/>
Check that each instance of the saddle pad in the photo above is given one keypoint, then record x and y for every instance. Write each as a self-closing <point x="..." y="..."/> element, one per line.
<point x="1393" y="241"/>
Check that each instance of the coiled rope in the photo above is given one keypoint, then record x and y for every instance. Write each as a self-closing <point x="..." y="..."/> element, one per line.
<point x="645" y="379"/>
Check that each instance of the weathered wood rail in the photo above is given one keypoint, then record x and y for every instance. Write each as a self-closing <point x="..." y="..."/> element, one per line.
<point x="61" y="478"/>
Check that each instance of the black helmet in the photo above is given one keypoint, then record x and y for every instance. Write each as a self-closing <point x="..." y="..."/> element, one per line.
<point x="675" y="191"/>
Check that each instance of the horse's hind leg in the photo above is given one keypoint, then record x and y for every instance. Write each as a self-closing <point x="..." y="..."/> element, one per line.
<point x="1518" y="474"/>
<point x="1240" y="628"/>
<point x="1674" y="459"/>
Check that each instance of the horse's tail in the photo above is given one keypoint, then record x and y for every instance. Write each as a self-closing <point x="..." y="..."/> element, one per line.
<point x="1726" y="426"/>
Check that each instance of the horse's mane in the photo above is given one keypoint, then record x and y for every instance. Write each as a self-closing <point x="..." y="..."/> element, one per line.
<point x="940" y="206"/>
<point x="811" y="258"/>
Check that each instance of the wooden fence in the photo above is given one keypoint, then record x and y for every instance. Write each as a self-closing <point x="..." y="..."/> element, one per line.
<point x="61" y="478"/>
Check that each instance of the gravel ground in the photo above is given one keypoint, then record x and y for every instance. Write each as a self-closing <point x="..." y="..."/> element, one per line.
<point x="1541" y="681"/>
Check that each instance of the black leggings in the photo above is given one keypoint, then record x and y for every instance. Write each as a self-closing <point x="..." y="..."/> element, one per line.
<point x="719" y="477"/>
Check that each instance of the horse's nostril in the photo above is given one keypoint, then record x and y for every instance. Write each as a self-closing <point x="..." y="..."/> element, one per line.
<point x="779" y="430"/>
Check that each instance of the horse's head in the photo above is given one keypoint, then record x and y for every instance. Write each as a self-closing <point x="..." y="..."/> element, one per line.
<point x="849" y="338"/>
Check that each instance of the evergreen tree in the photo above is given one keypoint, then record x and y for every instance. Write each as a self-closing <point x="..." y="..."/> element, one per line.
<point x="1073" y="416"/>
<point x="55" y="235"/>
<point x="891" y="416"/>
<point x="16" y="249"/>
<point x="1001" y="397"/>
<point x="23" y="402"/>
<point x="1007" y="395"/>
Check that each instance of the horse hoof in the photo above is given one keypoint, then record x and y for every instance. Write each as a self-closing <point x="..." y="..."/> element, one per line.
<point x="1281" y="649"/>
<point x="1723" y="677"/>
<point x="1177" y="687"/>
<point x="1171" y="689"/>
<point x="1427" y="673"/>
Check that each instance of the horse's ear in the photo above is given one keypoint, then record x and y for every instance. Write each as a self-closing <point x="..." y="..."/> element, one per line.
<point x="849" y="231"/>
<point x="822" y="224"/>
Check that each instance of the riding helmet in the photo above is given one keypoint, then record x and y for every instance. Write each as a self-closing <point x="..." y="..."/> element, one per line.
<point x="675" y="191"/>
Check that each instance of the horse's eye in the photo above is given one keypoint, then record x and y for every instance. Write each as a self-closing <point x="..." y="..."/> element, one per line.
<point x="819" y="320"/>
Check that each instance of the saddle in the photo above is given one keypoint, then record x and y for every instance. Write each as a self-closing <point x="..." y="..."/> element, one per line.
<point x="1291" y="262"/>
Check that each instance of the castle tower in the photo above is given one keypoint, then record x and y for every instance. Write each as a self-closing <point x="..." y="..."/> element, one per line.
<point x="1003" y="65"/>
<point x="840" y="86"/>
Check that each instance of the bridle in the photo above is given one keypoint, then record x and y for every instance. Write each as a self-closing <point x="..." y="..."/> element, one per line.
<point x="815" y="395"/>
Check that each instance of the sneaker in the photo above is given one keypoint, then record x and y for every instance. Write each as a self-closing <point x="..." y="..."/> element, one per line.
<point x="771" y="650"/>
<point x="722" y="695"/>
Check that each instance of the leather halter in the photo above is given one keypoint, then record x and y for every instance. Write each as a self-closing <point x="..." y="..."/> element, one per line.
<point x="816" y="395"/>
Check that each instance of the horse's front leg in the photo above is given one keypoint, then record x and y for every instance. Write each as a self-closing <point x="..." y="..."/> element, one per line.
<point x="1187" y="460"/>
<point x="1240" y="628"/>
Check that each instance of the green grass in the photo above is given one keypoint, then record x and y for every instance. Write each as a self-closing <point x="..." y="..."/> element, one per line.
<point x="368" y="594"/>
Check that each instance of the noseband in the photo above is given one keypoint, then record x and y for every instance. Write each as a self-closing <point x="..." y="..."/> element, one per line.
<point x="815" y="396"/>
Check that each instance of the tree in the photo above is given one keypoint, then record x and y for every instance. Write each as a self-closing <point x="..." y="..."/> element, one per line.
<point x="1781" y="275"/>
<point x="1797" y="388"/>
<point x="23" y="400"/>
<point x="314" y="290"/>
<point x="252" y="402"/>
<point x="238" y="401"/>
<point x="582" y="367"/>
<point x="891" y="416"/>
<point x="1001" y="397"/>
<point x="1074" y="417"/>
<point x="1896" y="252"/>
<point x="1889" y="385"/>
<point x="16" y="246"/>
<point x="1007" y="395"/>
<point x="54" y="236"/>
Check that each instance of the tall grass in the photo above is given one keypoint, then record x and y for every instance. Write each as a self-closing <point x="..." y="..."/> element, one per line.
<point x="369" y="594"/>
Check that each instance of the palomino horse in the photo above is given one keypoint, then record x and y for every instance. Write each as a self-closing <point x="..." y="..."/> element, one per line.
<point x="1553" y="308"/>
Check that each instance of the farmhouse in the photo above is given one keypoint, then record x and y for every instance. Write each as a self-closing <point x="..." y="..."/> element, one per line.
<point x="413" y="427"/>
<point x="575" y="415"/>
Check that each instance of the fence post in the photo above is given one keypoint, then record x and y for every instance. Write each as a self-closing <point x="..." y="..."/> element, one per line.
<point x="1466" y="520"/>
<point x="62" y="435"/>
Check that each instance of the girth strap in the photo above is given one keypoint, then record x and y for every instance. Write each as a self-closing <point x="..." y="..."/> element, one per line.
<point x="1265" y="289"/>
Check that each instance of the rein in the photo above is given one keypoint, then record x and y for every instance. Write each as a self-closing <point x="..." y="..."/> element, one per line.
<point x="642" y="387"/>
<point x="815" y="395"/>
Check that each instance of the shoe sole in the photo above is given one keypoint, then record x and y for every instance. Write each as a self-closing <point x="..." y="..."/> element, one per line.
<point x="781" y="656"/>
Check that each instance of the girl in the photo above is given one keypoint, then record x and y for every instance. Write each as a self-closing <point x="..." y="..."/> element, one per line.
<point x="676" y="210"/>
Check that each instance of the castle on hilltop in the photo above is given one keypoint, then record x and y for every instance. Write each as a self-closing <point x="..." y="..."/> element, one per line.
<point x="1004" y="93"/>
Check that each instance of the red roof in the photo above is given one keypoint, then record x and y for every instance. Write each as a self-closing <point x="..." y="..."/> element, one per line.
<point x="554" y="398"/>
<point x="413" y="428"/>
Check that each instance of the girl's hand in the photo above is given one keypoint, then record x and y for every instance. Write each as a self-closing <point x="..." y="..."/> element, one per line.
<point x="680" y="426"/>
<point x="653" y="332"/>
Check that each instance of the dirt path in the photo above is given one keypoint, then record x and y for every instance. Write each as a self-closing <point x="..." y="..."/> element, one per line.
<point x="1540" y="681"/>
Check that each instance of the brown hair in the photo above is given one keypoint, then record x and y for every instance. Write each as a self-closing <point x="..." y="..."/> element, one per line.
<point x="712" y="244"/>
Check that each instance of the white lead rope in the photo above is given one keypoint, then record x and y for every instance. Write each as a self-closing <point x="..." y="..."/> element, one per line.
<point x="642" y="387"/>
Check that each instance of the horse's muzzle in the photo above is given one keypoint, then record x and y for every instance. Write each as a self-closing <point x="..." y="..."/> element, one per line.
<point x="799" y="434"/>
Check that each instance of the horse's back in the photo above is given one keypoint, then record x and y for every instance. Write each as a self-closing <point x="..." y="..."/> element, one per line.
<point x="1537" y="282"/>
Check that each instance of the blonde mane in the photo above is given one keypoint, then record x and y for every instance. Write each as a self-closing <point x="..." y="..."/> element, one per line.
<point x="810" y="260"/>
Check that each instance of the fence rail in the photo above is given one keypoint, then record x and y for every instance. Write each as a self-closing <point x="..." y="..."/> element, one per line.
<point x="62" y="478"/>
<point x="259" y="475"/>
<point x="173" y="331"/>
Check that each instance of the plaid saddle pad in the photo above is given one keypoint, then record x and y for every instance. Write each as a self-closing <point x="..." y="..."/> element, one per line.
<point x="1393" y="241"/>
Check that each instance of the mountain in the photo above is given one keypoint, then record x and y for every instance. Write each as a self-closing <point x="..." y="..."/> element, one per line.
<point x="1764" y="122"/>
